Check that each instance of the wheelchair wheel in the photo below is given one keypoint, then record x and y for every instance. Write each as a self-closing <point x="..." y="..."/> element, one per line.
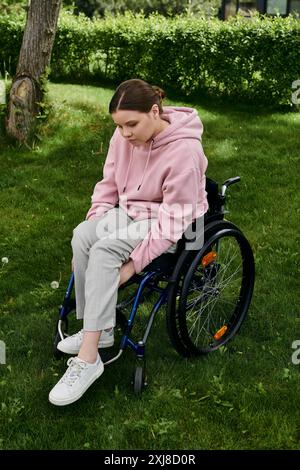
<point x="64" y="329"/>
<point x="217" y="290"/>
<point x="175" y="291"/>
<point x="121" y="320"/>
<point x="139" y="382"/>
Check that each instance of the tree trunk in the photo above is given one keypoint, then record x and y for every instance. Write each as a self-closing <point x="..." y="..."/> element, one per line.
<point x="35" y="56"/>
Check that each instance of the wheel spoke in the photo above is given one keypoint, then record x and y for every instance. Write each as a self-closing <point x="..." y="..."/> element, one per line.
<point x="214" y="293"/>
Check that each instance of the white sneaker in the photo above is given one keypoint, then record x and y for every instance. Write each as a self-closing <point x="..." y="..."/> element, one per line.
<point x="72" y="344"/>
<point x="75" y="381"/>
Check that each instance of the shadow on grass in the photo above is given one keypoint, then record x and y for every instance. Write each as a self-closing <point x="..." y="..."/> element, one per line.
<point x="221" y="104"/>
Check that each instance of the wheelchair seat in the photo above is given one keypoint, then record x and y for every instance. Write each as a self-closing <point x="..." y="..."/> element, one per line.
<point x="164" y="263"/>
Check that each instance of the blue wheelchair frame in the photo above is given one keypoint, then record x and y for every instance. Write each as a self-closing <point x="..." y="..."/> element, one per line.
<point x="143" y="281"/>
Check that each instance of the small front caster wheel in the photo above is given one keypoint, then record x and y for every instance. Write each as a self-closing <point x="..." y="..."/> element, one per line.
<point x="139" y="380"/>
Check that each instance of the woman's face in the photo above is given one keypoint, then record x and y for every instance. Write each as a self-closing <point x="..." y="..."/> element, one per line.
<point x="136" y="127"/>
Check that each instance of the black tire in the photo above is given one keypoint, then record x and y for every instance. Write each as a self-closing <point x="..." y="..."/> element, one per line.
<point x="217" y="290"/>
<point x="64" y="326"/>
<point x="182" y="266"/>
<point x="121" y="320"/>
<point x="174" y="294"/>
<point x="139" y="380"/>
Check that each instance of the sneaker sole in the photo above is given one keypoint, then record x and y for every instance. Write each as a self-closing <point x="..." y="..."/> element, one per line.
<point x="68" y="401"/>
<point x="106" y="344"/>
<point x="102" y="345"/>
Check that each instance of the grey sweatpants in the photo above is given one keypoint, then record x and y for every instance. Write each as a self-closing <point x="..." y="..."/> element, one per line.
<point x="100" y="247"/>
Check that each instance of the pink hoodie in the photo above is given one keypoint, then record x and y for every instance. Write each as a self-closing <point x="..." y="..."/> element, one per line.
<point x="163" y="179"/>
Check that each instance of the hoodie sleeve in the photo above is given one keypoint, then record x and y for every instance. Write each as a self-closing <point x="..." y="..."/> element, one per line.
<point x="177" y="211"/>
<point x="105" y="195"/>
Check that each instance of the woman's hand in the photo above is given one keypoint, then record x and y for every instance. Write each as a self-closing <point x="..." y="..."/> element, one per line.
<point x="126" y="272"/>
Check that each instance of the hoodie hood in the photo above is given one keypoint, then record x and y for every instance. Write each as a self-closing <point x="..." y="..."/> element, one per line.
<point x="184" y="124"/>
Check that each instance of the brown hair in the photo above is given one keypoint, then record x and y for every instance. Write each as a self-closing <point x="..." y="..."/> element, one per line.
<point x="136" y="95"/>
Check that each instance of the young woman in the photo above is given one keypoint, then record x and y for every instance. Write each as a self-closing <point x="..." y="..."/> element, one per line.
<point x="153" y="187"/>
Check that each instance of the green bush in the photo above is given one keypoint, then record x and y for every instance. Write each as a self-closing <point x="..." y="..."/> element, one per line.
<point x="254" y="60"/>
<point x="165" y="7"/>
<point x="11" y="34"/>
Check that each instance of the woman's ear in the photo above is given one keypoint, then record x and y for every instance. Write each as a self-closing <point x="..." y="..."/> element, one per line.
<point x="155" y="111"/>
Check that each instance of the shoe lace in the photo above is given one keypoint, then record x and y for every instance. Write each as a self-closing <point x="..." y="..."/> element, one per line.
<point x="73" y="373"/>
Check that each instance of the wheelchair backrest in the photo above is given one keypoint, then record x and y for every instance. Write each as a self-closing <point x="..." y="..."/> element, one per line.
<point x="214" y="198"/>
<point x="215" y="212"/>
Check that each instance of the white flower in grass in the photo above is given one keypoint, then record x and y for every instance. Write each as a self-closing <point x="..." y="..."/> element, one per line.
<point x="4" y="260"/>
<point x="54" y="285"/>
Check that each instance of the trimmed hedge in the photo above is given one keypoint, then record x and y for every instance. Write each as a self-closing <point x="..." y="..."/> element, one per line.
<point x="254" y="60"/>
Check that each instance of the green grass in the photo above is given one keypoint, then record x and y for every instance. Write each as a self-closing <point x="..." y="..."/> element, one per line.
<point x="244" y="397"/>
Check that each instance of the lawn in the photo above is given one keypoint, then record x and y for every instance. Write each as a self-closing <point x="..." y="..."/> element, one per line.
<point x="243" y="397"/>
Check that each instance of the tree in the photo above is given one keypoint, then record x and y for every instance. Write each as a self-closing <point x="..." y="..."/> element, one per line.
<point x="27" y="92"/>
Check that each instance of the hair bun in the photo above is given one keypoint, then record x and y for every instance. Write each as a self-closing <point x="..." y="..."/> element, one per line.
<point x="159" y="92"/>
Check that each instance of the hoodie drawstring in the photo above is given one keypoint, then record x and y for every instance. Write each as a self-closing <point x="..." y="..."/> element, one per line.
<point x="126" y="178"/>
<point x="145" y="168"/>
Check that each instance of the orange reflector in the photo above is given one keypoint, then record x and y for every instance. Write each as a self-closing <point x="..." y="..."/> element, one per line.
<point x="209" y="258"/>
<point x="221" y="332"/>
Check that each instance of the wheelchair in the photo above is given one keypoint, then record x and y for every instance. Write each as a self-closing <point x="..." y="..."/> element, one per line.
<point x="206" y="286"/>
